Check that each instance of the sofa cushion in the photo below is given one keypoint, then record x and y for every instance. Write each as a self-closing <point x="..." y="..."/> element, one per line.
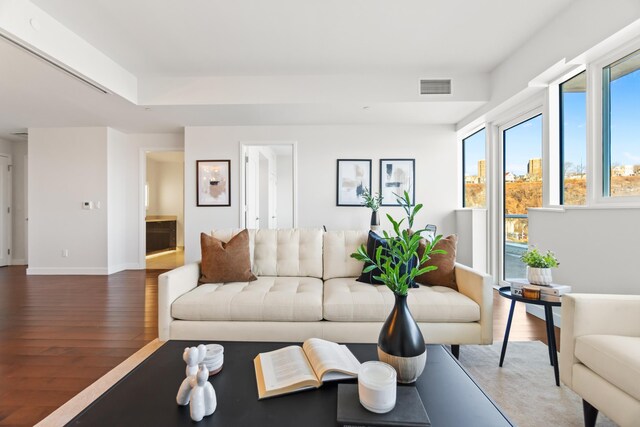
<point x="615" y="358"/>
<point x="347" y="300"/>
<point x="225" y="261"/>
<point x="291" y="252"/>
<point x="445" y="274"/>
<point x="286" y="299"/>
<point x="338" y="247"/>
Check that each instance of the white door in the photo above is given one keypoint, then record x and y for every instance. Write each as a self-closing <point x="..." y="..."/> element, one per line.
<point x="5" y="213"/>
<point x="251" y="193"/>
<point x="267" y="203"/>
<point x="263" y="191"/>
<point x="273" y="199"/>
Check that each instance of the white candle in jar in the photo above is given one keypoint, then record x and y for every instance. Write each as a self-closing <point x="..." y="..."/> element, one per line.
<point x="377" y="387"/>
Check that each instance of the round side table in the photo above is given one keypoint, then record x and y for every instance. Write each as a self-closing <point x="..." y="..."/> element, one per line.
<point x="505" y="291"/>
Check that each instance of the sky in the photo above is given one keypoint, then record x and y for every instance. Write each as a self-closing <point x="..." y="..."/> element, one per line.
<point x="625" y="120"/>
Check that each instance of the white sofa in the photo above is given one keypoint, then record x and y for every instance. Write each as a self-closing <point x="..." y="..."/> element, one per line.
<point x="306" y="288"/>
<point x="600" y="355"/>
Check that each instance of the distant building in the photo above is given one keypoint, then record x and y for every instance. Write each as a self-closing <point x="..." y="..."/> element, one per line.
<point x="624" y="170"/>
<point x="534" y="169"/>
<point x="482" y="171"/>
<point x="470" y="179"/>
<point x="509" y="177"/>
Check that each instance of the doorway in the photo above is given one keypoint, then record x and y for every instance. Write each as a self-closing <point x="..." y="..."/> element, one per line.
<point x="164" y="209"/>
<point x="268" y="187"/>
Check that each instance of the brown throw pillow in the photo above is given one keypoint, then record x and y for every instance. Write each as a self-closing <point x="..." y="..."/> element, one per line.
<point x="226" y="262"/>
<point x="444" y="275"/>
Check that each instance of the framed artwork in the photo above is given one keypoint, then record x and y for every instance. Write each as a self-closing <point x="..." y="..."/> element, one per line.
<point x="214" y="182"/>
<point x="354" y="175"/>
<point x="396" y="177"/>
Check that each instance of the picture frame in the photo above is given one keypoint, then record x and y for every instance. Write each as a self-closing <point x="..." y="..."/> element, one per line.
<point x="353" y="176"/>
<point x="397" y="176"/>
<point x="213" y="182"/>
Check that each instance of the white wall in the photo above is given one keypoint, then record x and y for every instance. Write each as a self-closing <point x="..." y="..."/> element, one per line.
<point x="285" y="191"/>
<point x="166" y="192"/>
<point x="70" y="165"/>
<point x="66" y="167"/>
<point x="119" y="163"/>
<point x="597" y="248"/>
<point x="433" y="147"/>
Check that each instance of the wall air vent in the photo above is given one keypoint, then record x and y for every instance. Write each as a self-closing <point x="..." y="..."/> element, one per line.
<point x="20" y="133"/>
<point x="435" y="87"/>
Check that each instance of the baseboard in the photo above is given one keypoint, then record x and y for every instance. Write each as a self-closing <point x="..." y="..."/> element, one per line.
<point x="538" y="311"/>
<point x="122" y="267"/>
<point x="19" y="261"/>
<point x="52" y="271"/>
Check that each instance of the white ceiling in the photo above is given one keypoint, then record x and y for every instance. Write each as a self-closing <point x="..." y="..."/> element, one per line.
<point x="285" y="38"/>
<point x="265" y="37"/>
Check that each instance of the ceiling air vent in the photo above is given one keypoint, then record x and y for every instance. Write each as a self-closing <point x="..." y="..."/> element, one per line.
<point x="435" y="87"/>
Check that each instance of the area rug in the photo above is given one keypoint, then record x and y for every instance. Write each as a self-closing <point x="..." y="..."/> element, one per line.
<point x="524" y="388"/>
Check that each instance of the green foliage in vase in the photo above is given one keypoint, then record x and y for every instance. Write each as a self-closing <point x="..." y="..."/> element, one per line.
<point x="533" y="258"/>
<point x="371" y="201"/>
<point x="395" y="261"/>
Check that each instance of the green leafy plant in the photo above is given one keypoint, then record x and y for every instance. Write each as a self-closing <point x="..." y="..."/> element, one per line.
<point x="372" y="201"/>
<point x="395" y="261"/>
<point x="533" y="258"/>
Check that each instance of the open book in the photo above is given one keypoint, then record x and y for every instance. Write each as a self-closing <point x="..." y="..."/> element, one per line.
<point x="296" y="368"/>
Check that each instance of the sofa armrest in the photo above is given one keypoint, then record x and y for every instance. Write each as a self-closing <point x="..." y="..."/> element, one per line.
<point x="594" y="314"/>
<point x="479" y="288"/>
<point x="171" y="285"/>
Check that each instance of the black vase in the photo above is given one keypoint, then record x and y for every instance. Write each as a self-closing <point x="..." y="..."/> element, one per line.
<point x="375" y="220"/>
<point x="401" y="343"/>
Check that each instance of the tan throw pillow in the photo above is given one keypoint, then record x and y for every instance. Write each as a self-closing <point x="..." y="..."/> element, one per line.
<point x="226" y="262"/>
<point x="444" y="275"/>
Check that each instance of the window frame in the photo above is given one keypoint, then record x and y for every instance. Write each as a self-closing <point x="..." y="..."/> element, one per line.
<point x="469" y="135"/>
<point x="600" y="153"/>
<point x="559" y="134"/>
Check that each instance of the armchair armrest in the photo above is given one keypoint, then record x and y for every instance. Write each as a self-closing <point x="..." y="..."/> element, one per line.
<point x="594" y="314"/>
<point x="171" y="285"/>
<point x="479" y="288"/>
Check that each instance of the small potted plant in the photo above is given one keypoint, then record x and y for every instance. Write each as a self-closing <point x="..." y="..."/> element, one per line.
<point x="401" y="343"/>
<point x="372" y="201"/>
<point x="539" y="266"/>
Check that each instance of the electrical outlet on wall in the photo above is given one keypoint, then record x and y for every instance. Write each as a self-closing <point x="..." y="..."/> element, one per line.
<point x="65" y="253"/>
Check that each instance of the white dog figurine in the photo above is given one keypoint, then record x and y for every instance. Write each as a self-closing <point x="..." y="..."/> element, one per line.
<point x="202" y="400"/>
<point x="191" y="356"/>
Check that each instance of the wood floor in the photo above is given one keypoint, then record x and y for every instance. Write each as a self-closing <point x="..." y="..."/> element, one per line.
<point x="58" y="334"/>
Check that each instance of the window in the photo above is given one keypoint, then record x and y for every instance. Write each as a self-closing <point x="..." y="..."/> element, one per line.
<point x="522" y="185"/>
<point x="621" y="127"/>
<point x="573" y="140"/>
<point x="474" y="171"/>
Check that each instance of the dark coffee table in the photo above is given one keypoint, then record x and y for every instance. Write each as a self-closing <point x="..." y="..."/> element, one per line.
<point x="146" y="396"/>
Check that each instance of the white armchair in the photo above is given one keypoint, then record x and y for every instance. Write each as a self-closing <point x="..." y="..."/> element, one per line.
<point x="600" y="355"/>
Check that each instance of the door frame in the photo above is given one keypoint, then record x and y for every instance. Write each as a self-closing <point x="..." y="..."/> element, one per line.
<point x="243" y="146"/>
<point x="9" y="223"/>
<point x="142" y="213"/>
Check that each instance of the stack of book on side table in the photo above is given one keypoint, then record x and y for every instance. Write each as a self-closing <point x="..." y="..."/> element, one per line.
<point x="552" y="292"/>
